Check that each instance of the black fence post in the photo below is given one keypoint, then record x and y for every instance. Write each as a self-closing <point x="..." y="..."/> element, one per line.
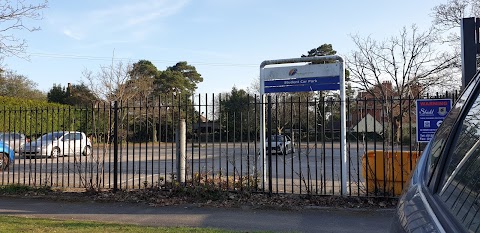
<point x="115" y="147"/>
<point x="269" y="136"/>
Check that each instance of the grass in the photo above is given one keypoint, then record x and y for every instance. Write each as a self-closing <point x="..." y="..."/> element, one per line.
<point x="19" y="224"/>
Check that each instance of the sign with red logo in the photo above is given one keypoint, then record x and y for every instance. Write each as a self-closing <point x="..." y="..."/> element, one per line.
<point x="430" y="115"/>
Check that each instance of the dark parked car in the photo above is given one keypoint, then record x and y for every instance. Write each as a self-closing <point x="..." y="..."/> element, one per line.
<point x="444" y="191"/>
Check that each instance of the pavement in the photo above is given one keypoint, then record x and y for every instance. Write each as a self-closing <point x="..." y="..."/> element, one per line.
<point x="238" y="219"/>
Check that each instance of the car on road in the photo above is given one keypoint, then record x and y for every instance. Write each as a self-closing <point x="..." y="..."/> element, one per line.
<point x="443" y="194"/>
<point x="7" y="156"/>
<point x="281" y="144"/>
<point x="61" y="143"/>
<point x="14" y="140"/>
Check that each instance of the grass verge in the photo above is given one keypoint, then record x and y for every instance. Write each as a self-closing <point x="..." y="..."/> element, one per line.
<point x="19" y="224"/>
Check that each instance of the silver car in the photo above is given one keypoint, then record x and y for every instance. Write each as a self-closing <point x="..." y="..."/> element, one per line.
<point x="281" y="144"/>
<point x="14" y="140"/>
<point x="59" y="143"/>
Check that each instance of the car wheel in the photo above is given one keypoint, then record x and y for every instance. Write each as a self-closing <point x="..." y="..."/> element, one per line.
<point x="55" y="152"/>
<point x="87" y="151"/>
<point x="4" y="161"/>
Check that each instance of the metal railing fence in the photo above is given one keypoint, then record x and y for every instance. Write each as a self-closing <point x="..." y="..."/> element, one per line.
<point x="134" y="144"/>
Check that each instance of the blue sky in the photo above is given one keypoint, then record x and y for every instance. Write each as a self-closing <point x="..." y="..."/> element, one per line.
<point x="226" y="40"/>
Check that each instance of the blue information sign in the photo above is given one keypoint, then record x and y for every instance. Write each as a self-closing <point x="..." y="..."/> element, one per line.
<point x="430" y="115"/>
<point x="303" y="84"/>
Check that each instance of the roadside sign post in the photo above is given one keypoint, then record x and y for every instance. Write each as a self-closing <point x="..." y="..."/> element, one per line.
<point x="430" y="115"/>
<point x="302" y="76"/>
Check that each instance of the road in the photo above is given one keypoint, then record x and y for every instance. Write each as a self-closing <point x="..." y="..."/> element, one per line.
<point x="243" y="219"/>
<point x="312" y="168"/>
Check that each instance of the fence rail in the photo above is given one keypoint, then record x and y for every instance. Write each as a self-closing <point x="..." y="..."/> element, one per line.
<point x="134" y="144"/>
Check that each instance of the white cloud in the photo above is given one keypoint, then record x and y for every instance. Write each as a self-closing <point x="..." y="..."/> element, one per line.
<point x="124" y="19"/>
<point x="72" y="35"/>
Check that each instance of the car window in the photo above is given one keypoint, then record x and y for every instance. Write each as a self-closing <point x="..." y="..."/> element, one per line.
<point x="460" y="187"/>
<point x="68" y="136"/>
<point x="78" y="136"/>
<point x="441" y="136"/>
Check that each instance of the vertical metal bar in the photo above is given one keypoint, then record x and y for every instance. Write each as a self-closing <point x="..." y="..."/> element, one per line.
<point x="4" y="122"/>
<point x="120" y="150"/>
<point x="401" y="143"/>
<point x="37" y="133"/>
<point x="115" y="148"/>
<point x="324" y="144"/>
<point x="255" y="175"/>
<point x="220" y="139"/>
<point x="134" y="142"/>
<point x="292" y="181"/>
<point x="241" y="151"/>
<point x="29" y="137"/>
<point x="316" y="143"/>
<point x="359" y="116"/>
<point x="375" y="143"/>
<point x="349" y="119"/>
<point x="307" y="155"/>
<point x="166" y="136"/>
<point x="127" y="117"/>
<point x="234" y="148"/>
<point x="227" y="147"/>
<point x="109" y="146"/>
<point x="199" y="121"/>
<point x="392" y="155"/>
<point x="154" y="127"/>
<point x="300" y="173"/>
<point x="159" y="138"/>
<point x="332" y="134"/>
<point x="172" y="155"/>
<point x="147" y="134"/>
<point x="24" y="131"/>
<point x="140" y="138"/>
<point x="269" y="136"/>
<point x="195" y="133"/>
<point x="248" y="141"/>
<point x="213" y="137"/>
<point x="278" y="134"/>
<point x="284" y="116"/>
<point x="41" y="144"/>
<point x="206" y="136"/>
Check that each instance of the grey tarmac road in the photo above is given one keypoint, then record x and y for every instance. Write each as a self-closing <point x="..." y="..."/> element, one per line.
<point x="238" y="219"/>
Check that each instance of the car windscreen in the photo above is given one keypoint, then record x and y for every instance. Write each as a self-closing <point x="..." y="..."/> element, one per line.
<point x="277" y="138"/>
<point x="50" y="136"/>
<point x="9" y="136"/>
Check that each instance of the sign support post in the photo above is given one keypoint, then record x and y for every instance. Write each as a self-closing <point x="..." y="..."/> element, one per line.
<point x="310" y="77"/>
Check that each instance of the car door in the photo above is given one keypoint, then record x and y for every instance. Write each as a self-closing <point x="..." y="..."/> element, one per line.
<point x="76" y="143"/>
<point x="66" y="144"/>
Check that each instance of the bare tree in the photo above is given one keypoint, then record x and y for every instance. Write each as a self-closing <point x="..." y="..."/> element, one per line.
<point x="12" y="17"/>
<point x="110" y="82"/>
<point x="449" y="15"/>
<point x="410" y="61"/>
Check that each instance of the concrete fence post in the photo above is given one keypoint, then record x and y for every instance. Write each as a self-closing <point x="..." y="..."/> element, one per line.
<point x="181" y="140"/>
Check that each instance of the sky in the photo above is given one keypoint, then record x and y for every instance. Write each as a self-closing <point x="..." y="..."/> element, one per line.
<point x="226" y="40"/>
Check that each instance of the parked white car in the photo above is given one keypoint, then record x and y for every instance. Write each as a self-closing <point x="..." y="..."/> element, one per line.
<point x="281" y="144"/>
<point x="59" y="143"/>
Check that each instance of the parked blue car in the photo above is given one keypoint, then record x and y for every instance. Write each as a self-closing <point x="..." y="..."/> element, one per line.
<point x="444" y="192"/>
<point x="7" y="156"/>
